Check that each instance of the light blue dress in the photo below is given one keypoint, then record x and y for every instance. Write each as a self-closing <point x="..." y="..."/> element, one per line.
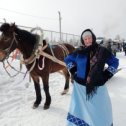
<point x="96" y="111"/>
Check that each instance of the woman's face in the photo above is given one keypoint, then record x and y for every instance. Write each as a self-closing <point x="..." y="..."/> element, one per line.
<point x="87" y="40"/>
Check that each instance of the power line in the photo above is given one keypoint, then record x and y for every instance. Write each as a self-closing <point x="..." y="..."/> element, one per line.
<point x="20" y="13"/>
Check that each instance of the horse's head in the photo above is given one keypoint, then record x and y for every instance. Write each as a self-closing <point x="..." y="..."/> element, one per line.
<point x="7" y="40"/>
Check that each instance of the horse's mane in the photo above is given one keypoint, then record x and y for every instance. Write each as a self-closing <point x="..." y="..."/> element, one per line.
<point x="23" y="34"/>
<point x="26" y="35"/>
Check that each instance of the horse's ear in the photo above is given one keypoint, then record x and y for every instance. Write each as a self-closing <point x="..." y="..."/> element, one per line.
<point x="4" y="20"/>
<point x="13" y="26"/>
<point x="44" y="42"/>
<point x="5" y="27"/>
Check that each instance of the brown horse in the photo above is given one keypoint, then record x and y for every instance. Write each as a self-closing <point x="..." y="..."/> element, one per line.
<point x="13" y="37"/>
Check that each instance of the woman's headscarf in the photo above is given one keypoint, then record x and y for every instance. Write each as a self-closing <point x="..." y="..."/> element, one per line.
<point x="93" y="36"/>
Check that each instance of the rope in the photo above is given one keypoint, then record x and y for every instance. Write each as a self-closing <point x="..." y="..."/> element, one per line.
<point x="12" y="68"/>
<point x="41" y="35"/>
<point x="33" y="65"/>
<point x="52" y="58"/>
<point x="64" y="50"/>
<point x="51" y="50"/>
<point x="43" y="64"/>
<point x="13" y="57"/>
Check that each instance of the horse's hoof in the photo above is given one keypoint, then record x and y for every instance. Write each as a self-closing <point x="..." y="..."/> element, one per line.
<point x="35" y="106"/>
<point x="65" y="92"/>
<point x="46" y="107"/>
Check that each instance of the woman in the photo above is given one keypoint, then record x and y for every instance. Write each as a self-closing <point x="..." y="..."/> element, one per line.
<point x="90" y="103"/>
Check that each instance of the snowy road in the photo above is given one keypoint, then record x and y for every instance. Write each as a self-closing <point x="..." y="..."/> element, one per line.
<point x="16" y="100"/>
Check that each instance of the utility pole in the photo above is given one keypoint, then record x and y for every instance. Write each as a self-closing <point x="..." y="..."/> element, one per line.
<point x="60" y="25"/>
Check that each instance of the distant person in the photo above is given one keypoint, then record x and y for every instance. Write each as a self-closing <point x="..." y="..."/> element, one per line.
<point x="124" y="48"/>
<point x="109" y="46"/>
<point x="90" y="103"/>
<point x="114" y="48"/>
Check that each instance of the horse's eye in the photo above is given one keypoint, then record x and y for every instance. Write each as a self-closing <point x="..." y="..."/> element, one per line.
<point x="4" y="37"/>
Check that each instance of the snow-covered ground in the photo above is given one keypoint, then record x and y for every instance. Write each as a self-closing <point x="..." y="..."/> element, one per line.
<point x="17" y="97"/>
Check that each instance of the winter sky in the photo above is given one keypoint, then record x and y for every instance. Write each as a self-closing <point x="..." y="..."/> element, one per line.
<point x="106" y="17"/>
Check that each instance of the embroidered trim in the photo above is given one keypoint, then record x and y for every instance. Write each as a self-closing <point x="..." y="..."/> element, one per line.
<point x="76" y="120"/>
<point x="70" y="65"/>
<point x="111" y="69"/>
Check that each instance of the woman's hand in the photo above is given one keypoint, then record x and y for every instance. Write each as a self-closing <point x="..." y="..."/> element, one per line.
<point x="88" y="79"/>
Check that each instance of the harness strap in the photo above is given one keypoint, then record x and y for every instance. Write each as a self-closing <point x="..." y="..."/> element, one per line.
<point x="64" y="49"/>
<point x="52" y="58"/>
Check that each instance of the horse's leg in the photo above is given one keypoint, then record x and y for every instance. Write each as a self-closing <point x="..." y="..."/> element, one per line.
<point x="38" y="92"/>
<point x="67" y="78"/>
<point x="45" y="80"/>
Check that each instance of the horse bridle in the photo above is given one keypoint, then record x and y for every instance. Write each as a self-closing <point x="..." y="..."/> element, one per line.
<point x="6" y="51"/>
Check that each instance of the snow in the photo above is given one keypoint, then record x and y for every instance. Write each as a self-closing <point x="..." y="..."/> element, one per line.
<point x="17" y="97"/>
